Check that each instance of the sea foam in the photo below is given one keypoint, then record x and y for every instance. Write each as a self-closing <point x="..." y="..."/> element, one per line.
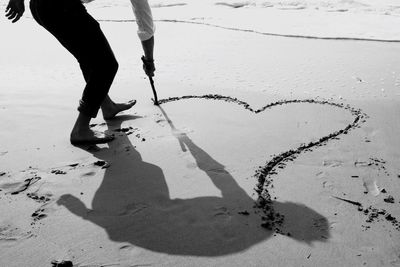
<point x="377" y="20"/>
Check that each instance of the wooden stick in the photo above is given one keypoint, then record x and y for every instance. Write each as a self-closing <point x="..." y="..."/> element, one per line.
<point x="155" y="100"/>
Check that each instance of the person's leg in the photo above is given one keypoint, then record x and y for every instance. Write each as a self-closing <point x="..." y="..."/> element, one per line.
<point x="82" y="134"/>
<point x="110" y="109"/>
<point x="81" y="35"/>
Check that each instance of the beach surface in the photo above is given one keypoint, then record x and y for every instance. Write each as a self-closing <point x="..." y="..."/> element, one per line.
<point x="266" y="150"/>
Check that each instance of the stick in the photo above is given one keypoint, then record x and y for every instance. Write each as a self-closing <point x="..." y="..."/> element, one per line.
<point x="155" y="100"/>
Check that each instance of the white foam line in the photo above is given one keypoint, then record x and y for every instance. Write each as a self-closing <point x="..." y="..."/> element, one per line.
<point x="261" y="33"/>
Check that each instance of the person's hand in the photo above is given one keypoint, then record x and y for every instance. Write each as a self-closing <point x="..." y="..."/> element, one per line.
<point x="148" y="66"/>
<point x="15" y="9"/>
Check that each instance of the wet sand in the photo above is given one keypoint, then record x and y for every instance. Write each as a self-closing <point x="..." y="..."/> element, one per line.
<point x="265" y="151"/>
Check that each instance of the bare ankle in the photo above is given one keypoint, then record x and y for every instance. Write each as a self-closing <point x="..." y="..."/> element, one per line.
<point x="81" y="123"/>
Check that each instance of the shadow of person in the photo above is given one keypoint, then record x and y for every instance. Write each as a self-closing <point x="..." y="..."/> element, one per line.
<point x="133" y="205"/>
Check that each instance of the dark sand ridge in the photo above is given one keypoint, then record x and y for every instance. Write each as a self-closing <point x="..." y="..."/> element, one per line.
<point x="133" y="205"/>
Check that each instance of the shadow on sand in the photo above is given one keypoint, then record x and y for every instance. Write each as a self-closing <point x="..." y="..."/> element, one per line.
<point x="133" y="205"/>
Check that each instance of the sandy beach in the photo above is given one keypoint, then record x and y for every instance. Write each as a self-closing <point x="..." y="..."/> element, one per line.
<point x="265" y="151"/>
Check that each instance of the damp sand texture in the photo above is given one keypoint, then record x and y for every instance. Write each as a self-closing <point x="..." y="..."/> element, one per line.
<point x="180" y="186"/>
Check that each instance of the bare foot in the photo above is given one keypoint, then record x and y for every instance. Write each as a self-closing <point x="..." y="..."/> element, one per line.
<point x="87" y="136"/>
<point x="112" y="109"/>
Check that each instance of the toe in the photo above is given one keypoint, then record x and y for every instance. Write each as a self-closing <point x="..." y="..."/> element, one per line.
<point x="131" y="103"/>
<point x="118" y="108"/>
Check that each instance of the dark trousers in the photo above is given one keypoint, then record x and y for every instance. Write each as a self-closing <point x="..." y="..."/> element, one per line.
<point x="81" y="35"/>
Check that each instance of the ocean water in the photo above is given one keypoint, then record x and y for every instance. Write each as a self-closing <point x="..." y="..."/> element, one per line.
<point x="377" y="20"/>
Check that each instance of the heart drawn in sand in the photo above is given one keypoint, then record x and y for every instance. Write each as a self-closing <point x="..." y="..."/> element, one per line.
<point x="264" y="174"/>
<point x="133" y="204"/>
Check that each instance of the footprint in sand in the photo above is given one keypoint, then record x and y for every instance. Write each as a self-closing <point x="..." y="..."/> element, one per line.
<point x="18" y="187"/>
<point x="332" y="163"/>
<point x="370" y="187"/>
<point x="58" y="172"/>
<point x="327" y="184"/>
<point x="362" y="164"/>
<point x="63" y="169"/>
<point x="39" y="214"/>
<point x="9" y="232"/>
<point x="40" y="198"/>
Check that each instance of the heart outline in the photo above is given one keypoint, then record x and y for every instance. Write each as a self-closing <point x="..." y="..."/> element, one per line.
<point x="271" y="219"/>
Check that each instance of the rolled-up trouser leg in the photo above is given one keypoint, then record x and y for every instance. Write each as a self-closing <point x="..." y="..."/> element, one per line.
<point x="81" y="35"/>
